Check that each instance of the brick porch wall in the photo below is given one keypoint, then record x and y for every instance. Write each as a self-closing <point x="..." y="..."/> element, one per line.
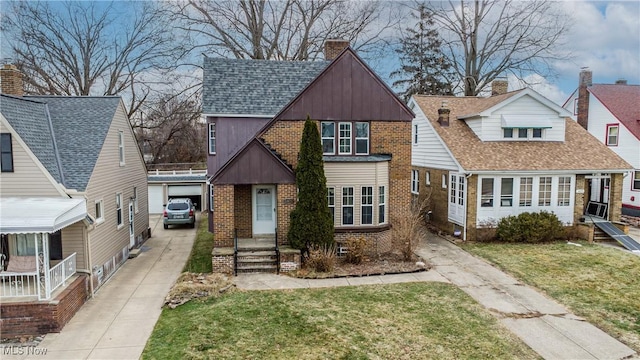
<point x="223" y="215"/>
<point x="243" y="208"/>
<point x="38" y="318"/>
<point x="286" y="202"/>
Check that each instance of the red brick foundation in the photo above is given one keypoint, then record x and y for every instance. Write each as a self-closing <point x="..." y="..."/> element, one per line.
<point x="41" y="317"/>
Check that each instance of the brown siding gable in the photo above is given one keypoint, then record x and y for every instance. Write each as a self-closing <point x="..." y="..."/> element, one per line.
<point x="255" y="164"/>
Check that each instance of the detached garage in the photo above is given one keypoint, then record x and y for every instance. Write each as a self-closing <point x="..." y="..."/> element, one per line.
<point x="164" y="185"/>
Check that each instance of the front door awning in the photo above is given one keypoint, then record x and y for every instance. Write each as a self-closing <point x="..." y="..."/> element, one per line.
<point x="38" y="215"/>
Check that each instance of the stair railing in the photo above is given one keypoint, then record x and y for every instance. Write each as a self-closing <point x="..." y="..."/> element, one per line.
<point x="277" y="254"/>
<point x="235" y="252"/>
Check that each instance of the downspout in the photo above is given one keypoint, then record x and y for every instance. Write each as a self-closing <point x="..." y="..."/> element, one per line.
<point x="466" y="206"/>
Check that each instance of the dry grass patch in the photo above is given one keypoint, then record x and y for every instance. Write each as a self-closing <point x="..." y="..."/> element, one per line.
<point x="596" y="282"/>
<point x="191" y="286"/>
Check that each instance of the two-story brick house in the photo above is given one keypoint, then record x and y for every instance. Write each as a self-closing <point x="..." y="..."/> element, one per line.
<point x="255" y="111"/>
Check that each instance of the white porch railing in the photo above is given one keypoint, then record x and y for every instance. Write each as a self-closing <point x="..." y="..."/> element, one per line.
<point x="36" y="284"/>
<point x="59" y="274"/>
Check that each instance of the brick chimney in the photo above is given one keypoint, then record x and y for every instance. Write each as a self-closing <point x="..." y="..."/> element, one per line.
<point x="333" y="48"/>
<point x="499" y="86"/>
<point x="585" y="79"/>
<point x="11" y="80"/>
<point x="443" y="115"/>
<point x="621" y="82"/>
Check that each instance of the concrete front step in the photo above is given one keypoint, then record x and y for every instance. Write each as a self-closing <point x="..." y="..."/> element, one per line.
<point x="268" y="268"/>
<point x="257" y="260"/>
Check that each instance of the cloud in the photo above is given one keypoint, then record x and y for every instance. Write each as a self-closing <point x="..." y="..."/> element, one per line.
<point x="540" y="85"/>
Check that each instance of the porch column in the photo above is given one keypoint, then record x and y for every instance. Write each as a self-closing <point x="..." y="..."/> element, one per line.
<point x="42" y="251"/>
<point x="223" y="215"/>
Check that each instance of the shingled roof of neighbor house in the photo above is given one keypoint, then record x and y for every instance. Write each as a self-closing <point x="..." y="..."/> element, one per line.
<point x="580" y="151"/>
<point x="254" y="87"/>
<point x="623" y="101"/>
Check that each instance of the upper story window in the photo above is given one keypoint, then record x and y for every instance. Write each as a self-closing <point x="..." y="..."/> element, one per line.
<point x="135" y="199"/>
<point x="212" y="138"/>
<point x="344" y="138"/>
<point x="415" y="134"/>
<point x="328" y="134"/>
<point x="415" y="182"/>
<point x="121" y="147"/>
<point x="522" y="133"/>
<point x="353" y="138"/>
<point x="99" y="211"/>
<point x="524" y="127"/>
<point x="635" y="184"/>
<point x="6" y="159"/>
<point x="612" y="134"/>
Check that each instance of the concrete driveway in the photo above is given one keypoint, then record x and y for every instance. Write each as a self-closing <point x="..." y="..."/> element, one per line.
<point x="118" y="320"/>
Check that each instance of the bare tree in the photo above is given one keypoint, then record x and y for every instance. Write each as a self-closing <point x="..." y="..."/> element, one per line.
<point x="281" y="29"/>
<point x="486" y="39"/>
<point x="91" y="48"/>
<point x="171" y="130"/>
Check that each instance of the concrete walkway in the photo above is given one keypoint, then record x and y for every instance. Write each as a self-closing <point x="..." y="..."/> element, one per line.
<point x="542" y="323"/>
<point x="118" y="320"/>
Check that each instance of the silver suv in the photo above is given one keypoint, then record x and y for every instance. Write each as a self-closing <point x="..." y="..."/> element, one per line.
<point x="179" y="211"/>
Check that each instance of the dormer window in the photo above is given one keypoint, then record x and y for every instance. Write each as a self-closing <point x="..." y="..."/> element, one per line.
<point x="524" y="127"/>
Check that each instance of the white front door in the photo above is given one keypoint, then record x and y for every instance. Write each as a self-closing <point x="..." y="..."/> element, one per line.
<point x="132" y="240"/>
<point x="264" y="209"/>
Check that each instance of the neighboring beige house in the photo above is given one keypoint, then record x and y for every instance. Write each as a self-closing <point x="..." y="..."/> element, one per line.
<point x="73" y="201"/>
<point x="481" y="159"/>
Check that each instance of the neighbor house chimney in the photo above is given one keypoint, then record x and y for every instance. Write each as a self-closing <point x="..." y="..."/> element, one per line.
<point x="333" y="48"/>
<point x="499" y="87"/>
<point x="443" y="115"/>
<point x="621" y="82"/>
<point x="11" y="80"/>
<point x="583" y="97"/>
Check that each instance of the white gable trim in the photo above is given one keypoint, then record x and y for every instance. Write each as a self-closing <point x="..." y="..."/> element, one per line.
<point x="59" y="187"/>
<point x="562" y="112"/>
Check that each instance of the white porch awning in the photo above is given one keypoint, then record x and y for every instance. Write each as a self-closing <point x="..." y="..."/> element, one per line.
<point x="525" y="122"/>
<point x="38" y="215"/>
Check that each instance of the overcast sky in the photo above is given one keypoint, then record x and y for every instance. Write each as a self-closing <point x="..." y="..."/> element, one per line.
<point x="605" y="37"/>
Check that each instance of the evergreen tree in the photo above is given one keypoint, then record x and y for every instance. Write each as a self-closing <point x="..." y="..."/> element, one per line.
<point x="311" y="222"/>
<point x="424" y="69"/>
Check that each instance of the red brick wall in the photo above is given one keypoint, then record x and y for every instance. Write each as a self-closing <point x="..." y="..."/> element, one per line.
<point x="285" y="137"/>
<point x="287" y="197"/>
<point x="243" y="208"/>
<point x="37" y="318"/>
<point x="223" y="215"/>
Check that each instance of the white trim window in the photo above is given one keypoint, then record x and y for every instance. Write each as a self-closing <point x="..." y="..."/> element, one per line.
<point x="347" y="205"/>
<point x="415" y="182"/>
<point x="328" y="135"/>
<point x="135" y="199"/>
<point x="444" y="181"/>
<point x="121" y="147"/>
<point x="382" y="204"/>
<point x="635" y="183"/>
<point x="544" y="191"/>
<point x="211" y="197"/>
<point x="564" y="191"/>
<point x="362" y="138"/>
<point x="99" y="211"/>
<point x="486" y="196"/>
<point x="415" y="134"/>
<point x="331" y="202"/>
<point x="366" y="206"/>
<point x="119" y="220"/>
<point x="212" y="138"/>
<point x="427" y="177"/>
<point x="612" y="134"/>
<point x="526" y="191"/>
<point x="506" y="192"/>
<point x="344" y="138"/>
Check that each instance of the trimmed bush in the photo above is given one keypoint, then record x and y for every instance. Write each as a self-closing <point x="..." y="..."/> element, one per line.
<point x="529" y="228"/>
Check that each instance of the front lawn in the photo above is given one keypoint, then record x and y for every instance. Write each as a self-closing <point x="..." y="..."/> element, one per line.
<point x="398" y="321"/>
<point x="601" y="284"/>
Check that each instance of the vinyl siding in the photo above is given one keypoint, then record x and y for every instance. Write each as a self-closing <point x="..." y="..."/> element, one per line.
<point x="430" y="151"/>
<point x="72" y="242"/>
<point x="491" y="128"/>
<point x="109" y="178"/>
<point x="29" y="177"/>
<point x="628" y="145"/>
<point x="357" y="175"/>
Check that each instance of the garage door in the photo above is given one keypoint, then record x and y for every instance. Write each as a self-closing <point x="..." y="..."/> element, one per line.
<point x="193" y="192"/>
<point x="155" y="199"/>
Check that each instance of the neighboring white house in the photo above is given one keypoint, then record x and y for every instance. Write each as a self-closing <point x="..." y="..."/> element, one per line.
<point x="611" y="113"/>
<point x="481" y="159"/>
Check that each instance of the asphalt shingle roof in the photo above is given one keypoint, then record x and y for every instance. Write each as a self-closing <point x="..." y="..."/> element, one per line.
<point x="623" y="101"/>
<point x="80" y="125"/>
<point x="254" y="87"/>
<point x="579" y="151"/>
<point x="29" y="118"/>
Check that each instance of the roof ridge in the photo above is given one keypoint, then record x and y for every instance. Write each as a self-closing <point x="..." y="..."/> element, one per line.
<point x="21" y="98"/>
